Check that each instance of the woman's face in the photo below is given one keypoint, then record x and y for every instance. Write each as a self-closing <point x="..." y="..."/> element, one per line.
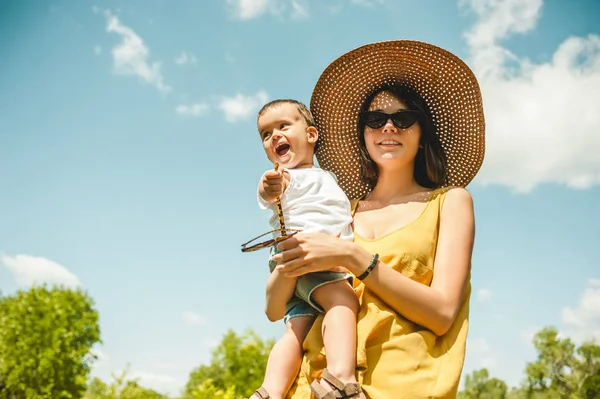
<point x="390" y="145"/>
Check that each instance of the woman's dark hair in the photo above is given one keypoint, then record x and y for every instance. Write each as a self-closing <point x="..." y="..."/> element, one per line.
<point x="431" y="170"/>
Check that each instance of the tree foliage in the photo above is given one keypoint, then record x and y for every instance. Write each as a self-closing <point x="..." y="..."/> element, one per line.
<point x="46" y="336"/>
<point x="121" y="388"/>
<point x="238" y="365"/>
<point x="45" y="340"/>
<point x="207" y="390"/>
<point x="561" y="371"/>
<point x="479" y="385"/>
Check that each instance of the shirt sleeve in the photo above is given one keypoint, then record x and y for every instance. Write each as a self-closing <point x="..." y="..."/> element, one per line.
<point x="262" y="204"/>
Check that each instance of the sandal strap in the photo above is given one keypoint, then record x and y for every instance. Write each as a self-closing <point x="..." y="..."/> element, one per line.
<point x="347" y="390"/>
<point x="332" y="380"/>
<point x="262" y="393"/>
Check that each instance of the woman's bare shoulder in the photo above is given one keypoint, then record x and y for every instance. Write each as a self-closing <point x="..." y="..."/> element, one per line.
<point x="458" y="198"/>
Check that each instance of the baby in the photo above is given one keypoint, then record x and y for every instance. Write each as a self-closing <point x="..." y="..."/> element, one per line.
<point x="311" y="201"/>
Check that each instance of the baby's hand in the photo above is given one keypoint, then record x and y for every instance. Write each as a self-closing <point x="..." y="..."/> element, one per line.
<point x="271" y="184"/>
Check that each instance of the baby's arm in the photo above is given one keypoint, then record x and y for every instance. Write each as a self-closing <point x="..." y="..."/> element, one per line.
<point x="279" y="291"/>
<point x="272" y="184"/>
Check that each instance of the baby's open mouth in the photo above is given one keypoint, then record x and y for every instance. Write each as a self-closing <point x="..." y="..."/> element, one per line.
<point x="282" y="149"/>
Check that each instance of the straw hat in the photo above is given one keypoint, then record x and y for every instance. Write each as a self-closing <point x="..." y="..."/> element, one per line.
<point x="445" y="82"/>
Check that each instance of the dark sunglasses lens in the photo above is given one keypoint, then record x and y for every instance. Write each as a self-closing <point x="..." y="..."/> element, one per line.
<point x="405" y="119"/>
<point x="375" y="119"/>
<point x="401" y="119"/>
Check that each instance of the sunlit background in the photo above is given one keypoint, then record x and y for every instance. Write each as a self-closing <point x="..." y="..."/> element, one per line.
<point x="129" y="160"/>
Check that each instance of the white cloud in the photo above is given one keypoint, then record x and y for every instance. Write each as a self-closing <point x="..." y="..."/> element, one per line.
<point x="101" y="367"/>
<point x="483" y="294"/>
<point x="479" y="346"/>
<point x="299" y="10"/>
<point x="583" y="321"/>
<point x="194" y="110"/>
<point x="480" y="354"/>
<point x="104" y="368"/>
<point x="242" y="107"/>
<point x="185" y="58"/>
<point x="163" y="383"/>
<point x="541" y="117"/>
<point x="97" y="50"/>
<point x="153" y="379"/>
<point x="131" y="55"/>
<point x="230" y="59"/>
<point x="212" y="343"/>
<point x="488" y="363"/>
<point x="367" y="3"/>
<point x="528" y="334"/>
<point x="499" y="18"/>
<point x="193" y="319"/>
<point x="31" y="270"/>
<point x="334" y="9"/>
<point x="250" y="9"/>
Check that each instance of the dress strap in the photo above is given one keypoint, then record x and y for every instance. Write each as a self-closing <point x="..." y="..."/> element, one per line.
<point x="353" y="206"/>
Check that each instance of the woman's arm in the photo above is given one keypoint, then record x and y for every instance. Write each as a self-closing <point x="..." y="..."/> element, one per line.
<point x="434" y="307"/>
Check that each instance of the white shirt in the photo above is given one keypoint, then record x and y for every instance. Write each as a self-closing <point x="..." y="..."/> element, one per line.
<point x="313" y="202"/>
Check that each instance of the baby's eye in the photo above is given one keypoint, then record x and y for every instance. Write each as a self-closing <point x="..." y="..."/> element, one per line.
<point x="283" y="125"/>
<point x="266" y="135"/>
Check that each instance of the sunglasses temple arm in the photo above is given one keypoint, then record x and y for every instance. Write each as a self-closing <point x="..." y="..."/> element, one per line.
<point x="260" y="236"/>
<point x="280" y="214"/>
<point x="280" y="211"/>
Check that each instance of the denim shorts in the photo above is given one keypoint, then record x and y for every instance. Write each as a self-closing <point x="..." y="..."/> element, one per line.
<point x="301" y="304"/>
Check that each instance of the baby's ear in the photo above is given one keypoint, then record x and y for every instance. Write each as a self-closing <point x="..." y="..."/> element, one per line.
<point x="312" y="134"/>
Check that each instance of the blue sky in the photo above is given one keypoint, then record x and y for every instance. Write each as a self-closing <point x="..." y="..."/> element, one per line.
<point x="129" y="160"/>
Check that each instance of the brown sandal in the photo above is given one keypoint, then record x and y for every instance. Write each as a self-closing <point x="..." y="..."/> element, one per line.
<point x="340" y="390"/>
<point x="262" y="393"/>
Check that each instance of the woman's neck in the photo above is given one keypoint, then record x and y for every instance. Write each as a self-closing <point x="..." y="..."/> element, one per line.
<point x="393" y="184"/>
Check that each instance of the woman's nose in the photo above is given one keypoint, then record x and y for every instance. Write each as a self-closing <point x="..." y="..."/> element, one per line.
<point x="389" y="126"/>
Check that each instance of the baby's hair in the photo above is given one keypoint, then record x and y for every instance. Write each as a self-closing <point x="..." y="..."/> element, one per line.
<point x="303" y="109"/>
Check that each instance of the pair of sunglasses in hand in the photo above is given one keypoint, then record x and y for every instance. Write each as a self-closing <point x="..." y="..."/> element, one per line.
<point x="278" y="235"/>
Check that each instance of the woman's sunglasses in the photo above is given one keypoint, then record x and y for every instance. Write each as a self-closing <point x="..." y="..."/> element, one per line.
<point x="402" y="119"/>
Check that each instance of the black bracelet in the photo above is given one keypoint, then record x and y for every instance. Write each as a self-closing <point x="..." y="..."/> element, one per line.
<point x="369" y="268"/>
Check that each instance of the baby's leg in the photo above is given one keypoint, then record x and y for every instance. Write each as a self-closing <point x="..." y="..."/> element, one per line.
<point x="286" y="357"/>
<point x="340" y="303"/>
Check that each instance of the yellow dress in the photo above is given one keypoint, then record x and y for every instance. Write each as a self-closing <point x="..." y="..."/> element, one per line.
<point x="397" y="358"/>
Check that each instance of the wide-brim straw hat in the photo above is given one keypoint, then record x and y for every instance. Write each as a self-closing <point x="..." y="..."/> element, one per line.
<point x="445" y="82"/>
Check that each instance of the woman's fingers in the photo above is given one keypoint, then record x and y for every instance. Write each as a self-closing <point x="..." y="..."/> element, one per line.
<point x="288" y="243"/>
<point x="293" y="268"/>
<point x="290" y="264"/>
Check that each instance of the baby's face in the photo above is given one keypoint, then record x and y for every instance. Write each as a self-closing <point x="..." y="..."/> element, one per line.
<point x="287" y="139"/>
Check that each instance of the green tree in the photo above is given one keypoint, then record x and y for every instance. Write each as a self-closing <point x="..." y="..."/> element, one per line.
<point x="479" y="385"/>
<point x="45" y="340"/>
<point x="588" y="370"/>
<point x="121" y="388"/>
<point x="562" y="370"/>
<point x="207" y="390"/>
<point x="238" y="363"/>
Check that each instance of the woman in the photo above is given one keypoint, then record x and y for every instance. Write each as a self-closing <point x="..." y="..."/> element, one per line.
<point x="420" y="141"/>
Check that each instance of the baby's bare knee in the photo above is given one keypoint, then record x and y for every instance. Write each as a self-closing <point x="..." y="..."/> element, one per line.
<point x="339" y="293"/>
<point x="298" y="327"/>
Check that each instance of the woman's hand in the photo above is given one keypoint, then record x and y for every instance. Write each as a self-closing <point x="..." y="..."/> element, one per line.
<point x="307" y="253"/>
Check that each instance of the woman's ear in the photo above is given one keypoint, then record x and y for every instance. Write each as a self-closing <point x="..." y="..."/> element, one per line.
<point x="312" y="134"/>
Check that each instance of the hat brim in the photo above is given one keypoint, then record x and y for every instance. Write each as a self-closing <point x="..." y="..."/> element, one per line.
<point x="445" y="82"/>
